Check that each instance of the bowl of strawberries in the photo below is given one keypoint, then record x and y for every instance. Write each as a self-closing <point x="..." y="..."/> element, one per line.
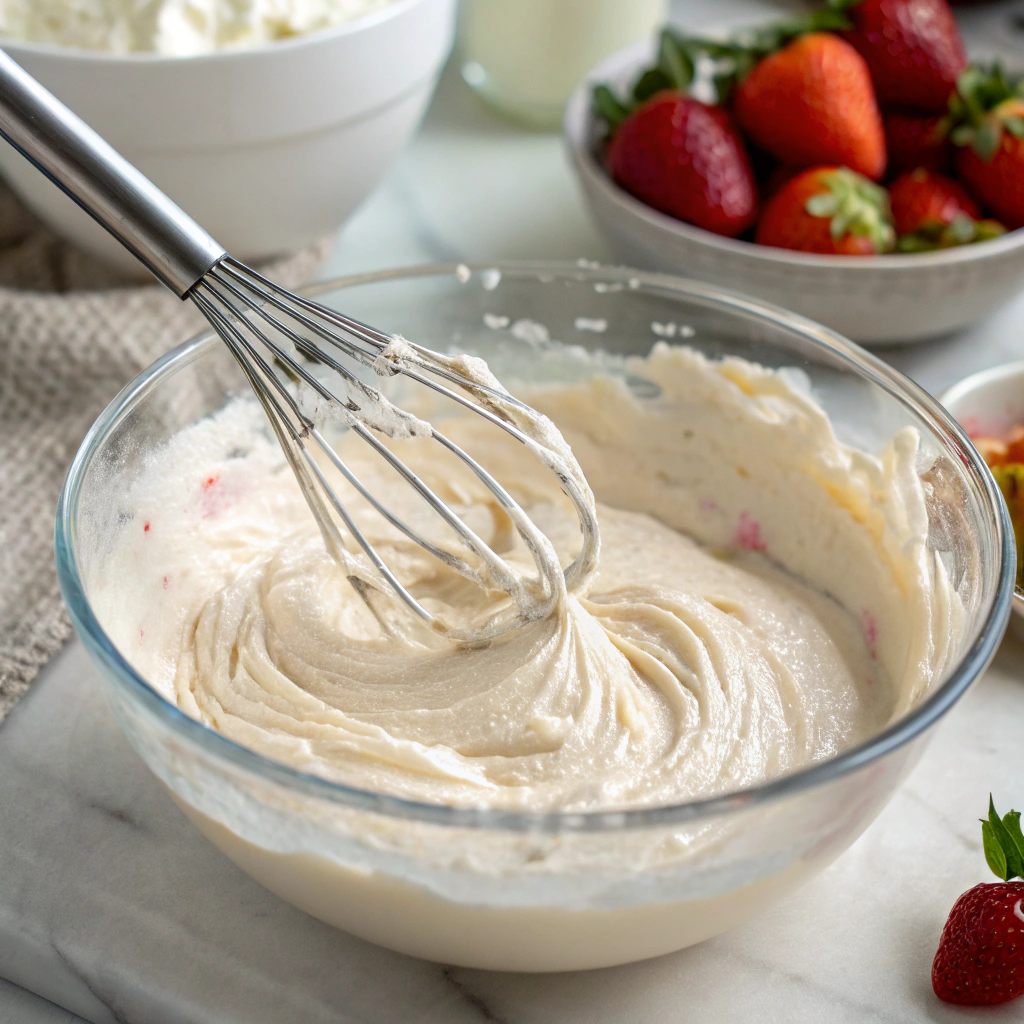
<point x="849" y="164"/>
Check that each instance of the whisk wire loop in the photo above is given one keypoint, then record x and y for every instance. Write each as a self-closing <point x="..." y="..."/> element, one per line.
<point x="499" y="576"/>
<point x="235" y="300"/>
<point x="429" y="361"/>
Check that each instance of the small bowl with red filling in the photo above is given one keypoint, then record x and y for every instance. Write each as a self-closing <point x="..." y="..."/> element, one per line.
<point x="990" y="407"/>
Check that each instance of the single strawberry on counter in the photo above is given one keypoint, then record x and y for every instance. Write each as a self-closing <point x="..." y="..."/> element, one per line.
<point x="987" y="113"/>
<point x="828" y="210"/>
<point x="916" y="140"/>
<point x="812" y="103"/>
<point x="931" y="211"/>
<point x="913" y="48"/>
<point x="980" y="960"/>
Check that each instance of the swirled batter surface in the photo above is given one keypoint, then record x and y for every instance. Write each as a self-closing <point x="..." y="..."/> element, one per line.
<point x="764" y="598"/>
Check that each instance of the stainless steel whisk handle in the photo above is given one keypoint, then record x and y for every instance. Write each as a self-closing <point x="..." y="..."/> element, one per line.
<point x="89" y="170"/>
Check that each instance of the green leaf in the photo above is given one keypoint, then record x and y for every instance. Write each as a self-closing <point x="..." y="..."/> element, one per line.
<point x="744" y="64"/>
<point x="968" y="82"/>
<point x="608" y="106"/>
<point x="962" y="135"/>
<point x="824" y="204"/>
<point x="1014" y="856"/>
<point x="961" y="229"/>
<point x="1011" y="822"/>
<point x="1015" y="126"/>
<point x="987" y="137"/>
<point x="914" y="243"/>
<point x="994" y="856"/>
<point x="830" y="19"/>
<point x="988" y="229"/>
<point x="998" y="87"/>
<point x="652" y="81"/>
<point x="840" y="224"/>
<point x="674" y="61"/>
<point x="724" y="85"/>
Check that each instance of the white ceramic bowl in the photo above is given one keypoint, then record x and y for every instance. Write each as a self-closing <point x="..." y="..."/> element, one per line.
<point x="988" y="404"/>
<point x="269" y="148"/>
<point x="875" y="300"/>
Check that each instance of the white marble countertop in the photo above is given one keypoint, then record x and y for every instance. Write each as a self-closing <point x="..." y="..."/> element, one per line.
<point x="114" y="908"/>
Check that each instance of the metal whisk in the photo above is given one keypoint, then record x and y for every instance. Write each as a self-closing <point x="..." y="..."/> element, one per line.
<point x="277" y="336"/>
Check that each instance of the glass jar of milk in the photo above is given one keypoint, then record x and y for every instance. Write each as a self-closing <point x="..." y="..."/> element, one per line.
<point x="526" y="56"/>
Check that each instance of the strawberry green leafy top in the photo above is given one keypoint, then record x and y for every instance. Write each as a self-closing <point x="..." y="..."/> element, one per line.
<point x="985" y="104"/>
<point x="854" y="204"/>
<point x="1003" y="842"/>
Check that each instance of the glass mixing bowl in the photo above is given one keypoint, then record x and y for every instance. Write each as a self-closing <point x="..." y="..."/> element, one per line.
<point x="557" y="891"/>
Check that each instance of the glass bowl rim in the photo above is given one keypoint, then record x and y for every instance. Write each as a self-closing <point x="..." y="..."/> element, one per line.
<point x="895" y="735"/>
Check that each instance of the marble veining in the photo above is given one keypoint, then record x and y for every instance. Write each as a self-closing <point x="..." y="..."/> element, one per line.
<point x="471" y="997"/>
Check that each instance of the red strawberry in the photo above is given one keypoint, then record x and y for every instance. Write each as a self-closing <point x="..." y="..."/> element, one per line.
<point x="916" y="140"/>
<point x="686" y="159"/>
<point x="931" y="211"/>
<point x="828" y="210"/>
<point x="812" y="103"/>
<point x="980" y="960"/>
<point x="981" y="953"/>
<point x="991" y="164"/>
<point x="921" y="198"/>
<point x="913" y="47"/>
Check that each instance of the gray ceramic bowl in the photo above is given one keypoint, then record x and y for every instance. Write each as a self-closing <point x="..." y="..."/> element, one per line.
<point x="876" y="300"/>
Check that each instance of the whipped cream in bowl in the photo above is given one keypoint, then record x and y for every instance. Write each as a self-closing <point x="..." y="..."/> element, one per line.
<point x="173" y="28"/>
<point x="802" y="565"/>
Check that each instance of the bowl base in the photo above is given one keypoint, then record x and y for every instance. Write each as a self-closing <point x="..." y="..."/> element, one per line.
<point x="410" y="919"/>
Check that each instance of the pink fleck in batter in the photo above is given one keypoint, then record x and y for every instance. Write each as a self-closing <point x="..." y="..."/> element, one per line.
<point x="870" y="626"/>
<point x="215" y="497"/>
<point x="707" y="504"/>
<point x="748" y="534"/>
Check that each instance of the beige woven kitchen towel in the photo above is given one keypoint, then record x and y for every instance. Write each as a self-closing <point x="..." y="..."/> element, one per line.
<point x="70" y="338"/>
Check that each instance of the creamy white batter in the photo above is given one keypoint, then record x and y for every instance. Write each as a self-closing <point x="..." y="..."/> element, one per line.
<point x="703" y="655"/>
<point x="173" y="28"/>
